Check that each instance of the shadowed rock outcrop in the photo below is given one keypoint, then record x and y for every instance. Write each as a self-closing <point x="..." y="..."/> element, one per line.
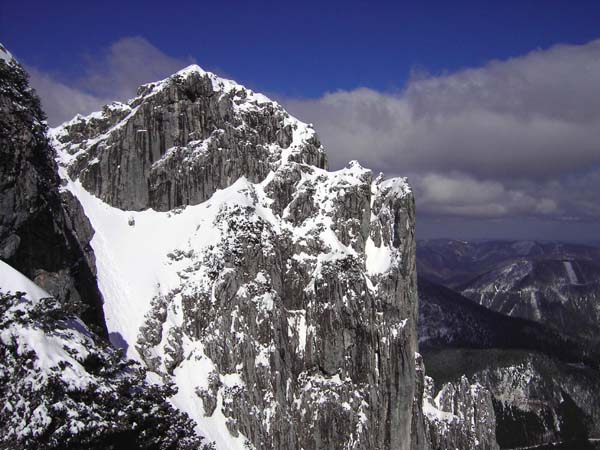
<point x="44" y="232"/>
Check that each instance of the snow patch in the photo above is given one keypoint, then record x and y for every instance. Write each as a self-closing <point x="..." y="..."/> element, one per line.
<point x="5" y="55"/>
<point x="570" y="272"/>
<point x="13" y="281"/>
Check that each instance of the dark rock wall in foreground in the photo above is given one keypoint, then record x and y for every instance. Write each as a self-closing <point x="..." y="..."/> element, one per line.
<point x="44" y="232"/>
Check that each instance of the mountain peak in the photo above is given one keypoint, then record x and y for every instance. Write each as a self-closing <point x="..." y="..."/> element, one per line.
<point x="180" y="139"/>
<point x="219" y="84"/>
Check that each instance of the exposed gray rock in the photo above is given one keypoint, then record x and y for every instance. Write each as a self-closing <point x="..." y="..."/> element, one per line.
<point x="179" y="141"/>
<point x="43" y="231"/>
<point x="296" y="323"/>
<point x="461" y="416"/>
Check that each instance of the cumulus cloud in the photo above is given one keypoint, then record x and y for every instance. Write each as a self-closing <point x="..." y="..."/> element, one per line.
<point x="515" y="137"/>
<point x="115" y="74"/>
<point x="62" y="102"/>
<point x="460" y="195"/>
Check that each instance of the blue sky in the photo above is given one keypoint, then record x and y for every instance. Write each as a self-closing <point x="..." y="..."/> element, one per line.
<point x="299" y="48"/>
<point x="492" y="109"/>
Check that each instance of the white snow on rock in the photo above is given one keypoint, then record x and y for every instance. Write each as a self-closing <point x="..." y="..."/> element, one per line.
<point x="5" y="55"/>
<point x="570" y="272"/>
<point x="51" y="349"/>
<point x="13" y="281"/>
<point x="243" y="98"/>
<point x="145" y="256"/>
<point x="141" y="255"/>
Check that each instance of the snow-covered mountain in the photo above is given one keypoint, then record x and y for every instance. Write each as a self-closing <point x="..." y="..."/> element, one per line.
<point x="453" y="263"/>
<point x="279" y="297"/>
<point x="61" y="385"/>
<point x="554" y="283"/>
<point x="562" y="293"/>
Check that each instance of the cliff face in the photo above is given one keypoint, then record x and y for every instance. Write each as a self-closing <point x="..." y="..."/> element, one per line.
<point x="179" y="141"/>
<point x="43" y="230"/>
<point x="283" y="304"/>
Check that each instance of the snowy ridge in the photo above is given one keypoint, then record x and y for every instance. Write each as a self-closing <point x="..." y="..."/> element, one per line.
<point x="180" y="140"/>
<point x="245" y="101"/>
<point x="220" y="85"/>
<point x="145" y="255"/>
<point x="234" y="265"/>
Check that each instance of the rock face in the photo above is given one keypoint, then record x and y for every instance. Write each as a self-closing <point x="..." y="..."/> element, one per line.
<point x="43" y="230"/>
<point x="461" y="416"/>
<point x="287" y="315"/>
<point x="508" y="399"/>
<point x="536" y="399"/>
<point x="179" y="141"/>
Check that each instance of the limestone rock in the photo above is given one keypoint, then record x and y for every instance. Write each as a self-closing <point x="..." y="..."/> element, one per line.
<point x="44" y="232"/>
<point x="294" y="318"/>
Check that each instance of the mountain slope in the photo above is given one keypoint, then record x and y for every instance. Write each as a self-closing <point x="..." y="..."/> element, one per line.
<point x="562" y="293"/>
<point x="530" y="379"/>
<point x="282" y="300"/>
<point x="63" y="388"/>
<point x="449" y="320"/>
<point x="453" y="263"/>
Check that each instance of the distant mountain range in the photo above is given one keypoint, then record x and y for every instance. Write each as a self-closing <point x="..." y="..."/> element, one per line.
<point x="539" y="365"/>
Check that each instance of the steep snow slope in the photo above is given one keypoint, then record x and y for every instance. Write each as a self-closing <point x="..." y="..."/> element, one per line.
<point x="280" y="298"/>
<point x="61" y="388"/>
<point x="13" y="281"/>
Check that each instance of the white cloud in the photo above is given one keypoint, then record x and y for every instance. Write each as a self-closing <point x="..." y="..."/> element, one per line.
<point x="511" y="128"/>
<point x="112" y="75"/>
<point x="461" y="195"/>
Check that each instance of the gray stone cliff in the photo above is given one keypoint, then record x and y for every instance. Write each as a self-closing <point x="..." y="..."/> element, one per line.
<point x="44" y="232"/>
<point x="303" y="306"/>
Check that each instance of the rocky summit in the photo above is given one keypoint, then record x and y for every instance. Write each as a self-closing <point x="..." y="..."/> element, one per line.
<point x="282" y="298"/>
